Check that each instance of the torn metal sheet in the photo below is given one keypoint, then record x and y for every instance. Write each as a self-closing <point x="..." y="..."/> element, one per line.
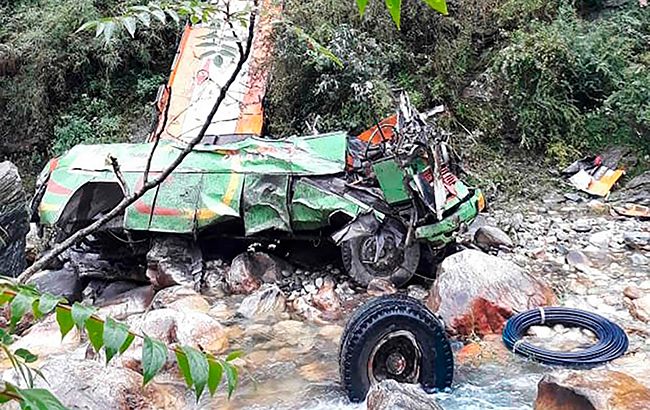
<point x="265" y="203"/>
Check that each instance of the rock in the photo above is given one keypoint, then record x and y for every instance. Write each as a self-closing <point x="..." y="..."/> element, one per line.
<point x="417" y="292"/>
<point x="328" y="301"/>
<point x="304" y="307"/>
<point x="489" y="350"/>
<point x="126" y="304"/>
<point x="637" y="191"/>
<point x="578" y="259"/>
<point x="180" y="298"/>
<point x="487" y="237"/>
<point x="14" y="220"/>
<point x="88" y="384"/>
<point x="191" y="328"/>
<point x="174" y="260"/>
<point x="600" y="239"/>
<point x="64" y="282"/>
<point x="268" y="300"/>
<point x="392" y="395"/>
<point x="106" y="264"/>
<point x="100" y="291"/>
<point x="475" y="293"/>
<point x="632" y="292"/>
<point x="249" y="270"/>
<point x="639" y="260"/>
<point x="44" y="339"/>
<point x="213" y="276"/>
<point x="33" y="244"/>
<point x="637" y="240"/>
<point x="640" y="308"/>
<point x="597" y="206"/>
<point x="581" y="225"/>
<point x="317" y="372"/>
<point x="379" y="287"/>
<point x="591" y="389"/>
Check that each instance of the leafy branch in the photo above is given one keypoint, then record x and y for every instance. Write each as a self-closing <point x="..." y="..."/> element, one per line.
<point x="199" y="369"/>
<point x="395" y="8"/>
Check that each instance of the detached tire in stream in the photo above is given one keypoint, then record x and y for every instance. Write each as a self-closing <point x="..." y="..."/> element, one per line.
<point x="394" y="337"/>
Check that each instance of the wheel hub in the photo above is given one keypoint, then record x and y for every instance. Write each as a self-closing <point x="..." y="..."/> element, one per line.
<point x="396" y="356"/>
<point x="383" y="262"/>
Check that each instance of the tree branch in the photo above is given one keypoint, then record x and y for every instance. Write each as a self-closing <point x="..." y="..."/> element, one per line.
<point x="130" y="199"/>
<point x="118" y="174"/>
<point x="145" y="179"/>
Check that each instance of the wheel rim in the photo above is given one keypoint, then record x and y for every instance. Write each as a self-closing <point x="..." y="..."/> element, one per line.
<point x="387" y="262"/>
<point x="396" y="356"/>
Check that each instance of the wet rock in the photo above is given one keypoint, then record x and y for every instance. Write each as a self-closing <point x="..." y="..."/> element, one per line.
<point x="487" y="237"/>
<point x="632" y="292"/>
<point x="64" y="282"/>
<point x="174" y="260"/>
<point x="99" y="291"/>
<point x="249" y="270"/>
<point x="328" y="301"/>
<point x="390" y="394"/>
<point x="592" y="389"/>
<point x="88" y="384"/>
<point x="639" y="260"/>
<point x="637" y="240"/>
<point x="489" y="350"/>
<point x="317" y="372"/>
<point x="191" y="328"/>
<point x="304" y="307"/>
<point x="126" y="304"/>
<point x="14" y="220"/>
<point x="640" y="308"/>
<point x="380" y="287"/>
<point x="180" y="298"/>
<point x="475" y="293"/>
<point x="105" y="264"/>
<point x="268" y="300"/>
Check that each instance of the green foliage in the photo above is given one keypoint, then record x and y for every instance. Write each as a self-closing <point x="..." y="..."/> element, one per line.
<point x="58" y="88"/>
<point x="198" y="369"/>
<point x="575" y="84"/>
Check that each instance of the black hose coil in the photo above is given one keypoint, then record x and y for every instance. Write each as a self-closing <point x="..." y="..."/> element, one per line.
<point x="612" y="340"/>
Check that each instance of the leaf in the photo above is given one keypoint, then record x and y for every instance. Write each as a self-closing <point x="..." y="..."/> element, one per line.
<point x="6" y="297"/>
<point x="26" y="355"/>
<point x="199" y="369"/>
<point x="174" y="16"/>
<point x="215" y="374"/>
<point x="95" y="330"/>
<point x="361" y="5"/>
<point x="395" y="10"/>
<point x="231" y="377"/>
<point x="127" y="342"/>
<point x="87" y="26"/>
<point x="115" y="335"/>
<point x="438" y="5"/>
<point x="108" y="31"/>
<point x="80" y="314"/>
<point x="184" y="367"/>
<point x="47" y="303"/>
<point x="5" y="337"/>
<point x="159" y="14"/>
<point x="143" y="9"/>
<point x="19" y="306"/>
<point x="39" y="399"/>
<point x="234" y="355"/>
<point x="154" y="357"/>
<point x="99" y="29"/>
<point x="194" y="19"/>
<point x="130" y="24"/>
<point x="64" y="319"/>
<point x="145" y="18"/>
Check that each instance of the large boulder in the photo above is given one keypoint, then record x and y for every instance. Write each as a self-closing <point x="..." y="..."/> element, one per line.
<point x="591" y="390"/>
<point x="390" y="394"/>
<point x="105" y="264"/>
<point x="14" y="221"/>
<point x="249" y="270"/>
<point x="88" y="384"/>
<point x="174" y="260"/>
<point x="64" y="282"/>
<point x="476" y="293"/>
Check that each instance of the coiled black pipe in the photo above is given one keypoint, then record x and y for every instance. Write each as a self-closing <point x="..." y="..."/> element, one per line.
<point x="612" y="340"/>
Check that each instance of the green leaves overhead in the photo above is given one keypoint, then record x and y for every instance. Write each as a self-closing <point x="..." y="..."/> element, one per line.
<point x="154" y="356"/>
<point x="21" y="304"/>
<point x="395" y="8"/>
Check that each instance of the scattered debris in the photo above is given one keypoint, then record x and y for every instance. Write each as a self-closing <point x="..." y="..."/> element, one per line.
<point x="633" y="210"/>
<point x="595" y="175"/>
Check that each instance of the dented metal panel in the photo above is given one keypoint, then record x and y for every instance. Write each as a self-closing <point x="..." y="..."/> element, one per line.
<point x="265" y="203"/>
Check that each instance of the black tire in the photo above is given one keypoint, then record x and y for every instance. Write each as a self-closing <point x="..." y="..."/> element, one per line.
<point x="372" y="327"/>
<point x="401" y="269"/>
